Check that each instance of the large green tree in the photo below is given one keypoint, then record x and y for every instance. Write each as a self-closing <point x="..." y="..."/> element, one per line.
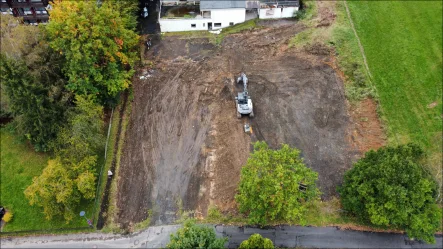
<point x="98" y="43"/>
<point x="15" y="39"/>
<point x="71" y="176"/>
<point x="36" y="93"/>
<point x="193" y="236"/>
<point x="275" y="185"/>
<point x="390" y="188"/>
<point x="83" y="135"/>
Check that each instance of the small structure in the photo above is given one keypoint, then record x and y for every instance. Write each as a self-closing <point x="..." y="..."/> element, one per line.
<point x="188" y="15"/>
<point x="200" y="15"/>
<point x="278" y="9"/>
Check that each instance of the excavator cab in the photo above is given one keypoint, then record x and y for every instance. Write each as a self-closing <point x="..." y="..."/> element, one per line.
<point x="243" y="100"/>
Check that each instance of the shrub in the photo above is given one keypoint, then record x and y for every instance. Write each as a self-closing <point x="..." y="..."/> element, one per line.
<point x="214" y="213"/>
<point x="8" y="216"/>
<point x="257" y="241"/>
<point x="269" y="187"/>
<point x="193" y="236"/>
<point x="390" y="188"/>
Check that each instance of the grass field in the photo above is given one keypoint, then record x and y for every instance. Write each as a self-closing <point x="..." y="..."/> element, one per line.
<point x="19" y="164"/>
<point x="403" y="45"/>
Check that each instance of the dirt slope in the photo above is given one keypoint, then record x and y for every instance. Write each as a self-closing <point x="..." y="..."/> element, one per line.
<point x="185" y="144"/>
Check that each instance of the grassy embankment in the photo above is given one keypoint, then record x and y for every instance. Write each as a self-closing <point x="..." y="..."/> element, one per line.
<point x="403" y="45"/>
<point x="19" y="164"/>
<point x="214" y="38"/>
<point x="402" y="41"/>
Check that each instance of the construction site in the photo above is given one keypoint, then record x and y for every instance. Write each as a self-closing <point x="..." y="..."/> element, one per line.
<point x="186" y="144"/>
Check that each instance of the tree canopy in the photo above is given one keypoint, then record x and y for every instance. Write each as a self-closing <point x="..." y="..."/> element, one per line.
<point x="193" y="236"/>
<point x="35" y="87"/>
<point x="256" y="241"/>
<point x="98" y="43"/>
<point x="275" y="185"/>
<point x="390" y="188"/>
<point x="71" y="176"/>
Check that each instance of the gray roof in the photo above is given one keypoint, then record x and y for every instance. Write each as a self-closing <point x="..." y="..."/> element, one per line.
<point x="282" y="2"/>
<point x="222" y="4"/>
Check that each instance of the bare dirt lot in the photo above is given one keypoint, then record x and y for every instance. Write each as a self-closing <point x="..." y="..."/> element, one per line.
<point x="185" y="147"/>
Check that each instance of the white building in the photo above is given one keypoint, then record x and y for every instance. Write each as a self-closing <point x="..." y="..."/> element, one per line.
<point x="277" y="9"/>
<point x="190" y="15"/>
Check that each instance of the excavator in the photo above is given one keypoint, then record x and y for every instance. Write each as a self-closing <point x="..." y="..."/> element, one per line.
<point x="243" y="100"/>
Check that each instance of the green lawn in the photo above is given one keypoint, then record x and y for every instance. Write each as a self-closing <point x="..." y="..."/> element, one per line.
<point x="403" y="45"/>
<point x="19" y="164"/>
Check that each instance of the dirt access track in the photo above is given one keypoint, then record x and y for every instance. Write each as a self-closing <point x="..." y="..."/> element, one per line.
<point x="185" y="146"/>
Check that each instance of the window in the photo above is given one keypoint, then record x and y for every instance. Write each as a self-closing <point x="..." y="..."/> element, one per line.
<point x="19" y="12"/>
<point x="231" y="23"/>
<point x="193" y="25"/>
<point x="206" y="14"/>
<point x="40" y="11"/>
<point x="6" y="11"/>
<point x="217" y="24"/>
<point x="27" y="11"/>
<point x="204" y="24"/>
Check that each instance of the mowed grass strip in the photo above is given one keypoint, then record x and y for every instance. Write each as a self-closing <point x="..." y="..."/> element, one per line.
<point x="403" y="45"/>
<point x="19" y="164"/>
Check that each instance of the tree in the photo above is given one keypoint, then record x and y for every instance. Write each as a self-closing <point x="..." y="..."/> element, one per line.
<point x="59" y="188"/>
<point x="256" y="241"/>
<point x="193" y="236"/>
<point x="36" y="92"/>
<point x="270" y="187"/>
<point x="98" y="43"/>
<point x="83" y="135"/>
<point x="390" y="188"/>
<point x="71" y="176"/>
<point x="16" y="42"/>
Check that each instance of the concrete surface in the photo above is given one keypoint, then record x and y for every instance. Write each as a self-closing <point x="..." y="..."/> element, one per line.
<point x="282" y="236"/>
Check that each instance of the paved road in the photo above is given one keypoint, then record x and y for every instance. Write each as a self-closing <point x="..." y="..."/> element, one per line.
<point x="150" y="24"/>
<point x="284" y="236"/>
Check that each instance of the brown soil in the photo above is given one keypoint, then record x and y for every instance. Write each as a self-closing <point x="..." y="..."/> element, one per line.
<point x="366" y="131"/>
<point x="186" y="147"/>
<point x="326" y="13"/>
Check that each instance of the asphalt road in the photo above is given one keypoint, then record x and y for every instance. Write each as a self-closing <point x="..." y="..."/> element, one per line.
<point x="149" y="25"/>
<point x="284" y="236"/>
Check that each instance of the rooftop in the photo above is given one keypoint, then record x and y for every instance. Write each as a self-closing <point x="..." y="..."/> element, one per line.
<point x="223" y="4"/>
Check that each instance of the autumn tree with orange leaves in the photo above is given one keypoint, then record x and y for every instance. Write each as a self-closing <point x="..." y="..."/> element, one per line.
<point x="99" y="44"/>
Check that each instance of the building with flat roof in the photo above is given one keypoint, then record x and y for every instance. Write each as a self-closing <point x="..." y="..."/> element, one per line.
<point x="188" y="15"/>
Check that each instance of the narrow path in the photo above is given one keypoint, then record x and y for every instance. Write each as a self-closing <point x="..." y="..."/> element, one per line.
<point x="362" y="50"/>
<point x="282" y="236"/>
<point x="105" y="199"/>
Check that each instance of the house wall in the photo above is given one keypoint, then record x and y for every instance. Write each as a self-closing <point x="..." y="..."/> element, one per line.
<point x="286" y="12"/>
<point x="223" y="16"/>
<point x="175" y="25"/>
